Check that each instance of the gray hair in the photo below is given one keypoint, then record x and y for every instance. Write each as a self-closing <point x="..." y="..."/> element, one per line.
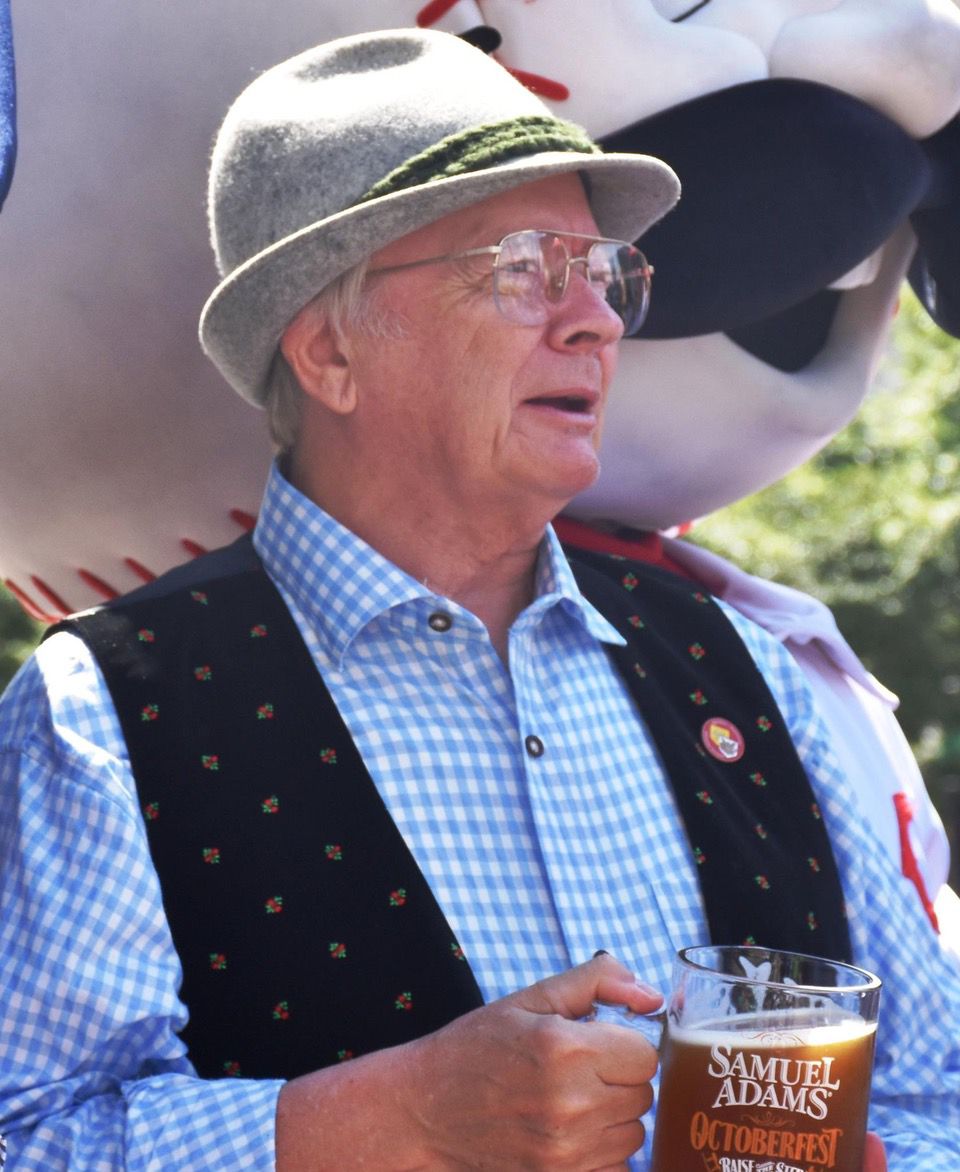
<point x="346" y="305"/>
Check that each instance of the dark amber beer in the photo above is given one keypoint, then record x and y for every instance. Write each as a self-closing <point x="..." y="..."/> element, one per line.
<point x="763" y="1075"/>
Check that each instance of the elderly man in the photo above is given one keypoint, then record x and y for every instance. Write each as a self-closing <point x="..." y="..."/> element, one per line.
<point x="377" y="784"/>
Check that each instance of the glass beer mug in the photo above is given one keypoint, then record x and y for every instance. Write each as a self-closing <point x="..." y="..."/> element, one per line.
<point x="765" y="1063"/>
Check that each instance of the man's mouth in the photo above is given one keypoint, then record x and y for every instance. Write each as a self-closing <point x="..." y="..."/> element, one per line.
<point x="571" y="404"/>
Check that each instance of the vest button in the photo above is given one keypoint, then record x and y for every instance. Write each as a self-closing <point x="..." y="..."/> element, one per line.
<point x="534" y="746"/>
<point x="440" y="621"/>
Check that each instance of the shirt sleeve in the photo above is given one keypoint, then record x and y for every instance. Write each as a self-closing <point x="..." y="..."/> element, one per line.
<point x="915" y="1101"/>
<point x="92" y="1072"/>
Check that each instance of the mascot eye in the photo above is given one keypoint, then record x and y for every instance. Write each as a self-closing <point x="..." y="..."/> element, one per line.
<point x="690" y="11"/>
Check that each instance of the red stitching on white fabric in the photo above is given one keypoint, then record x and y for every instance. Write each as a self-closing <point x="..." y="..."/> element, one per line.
<point x="139" y="569"/>
<point x="59" y="606"/>
<point x="430" y="13"/>
<point x="908" y="860"/>
<point x="27" y="604"/>
<point x="245" y="520"/>
<point x="104" y="589"/>
<point x="543" y="87"/>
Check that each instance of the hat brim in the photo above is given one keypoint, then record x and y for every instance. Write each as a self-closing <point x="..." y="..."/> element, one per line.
<point x="245" y="316"/>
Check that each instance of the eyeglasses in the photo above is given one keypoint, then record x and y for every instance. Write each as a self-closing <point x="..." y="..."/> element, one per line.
<point x="531" y="271"/>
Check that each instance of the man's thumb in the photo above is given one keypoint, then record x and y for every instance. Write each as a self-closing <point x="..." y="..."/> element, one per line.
<point x="572" y="994"/>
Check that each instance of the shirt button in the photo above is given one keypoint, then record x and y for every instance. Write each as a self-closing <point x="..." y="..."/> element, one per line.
<point x="533" y="745"/>
<point x="440" y="621"/>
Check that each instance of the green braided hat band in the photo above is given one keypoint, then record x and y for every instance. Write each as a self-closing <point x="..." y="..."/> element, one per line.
<point x="481" y="147"/>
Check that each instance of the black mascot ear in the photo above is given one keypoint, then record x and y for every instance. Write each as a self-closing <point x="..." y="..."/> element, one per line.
<point x="935" y="273"/>
<point x="8" y="138"/>
<point x="787" y="186"/>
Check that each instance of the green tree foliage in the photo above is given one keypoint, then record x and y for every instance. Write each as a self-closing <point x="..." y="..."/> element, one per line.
<point x="18" y="636"/>
<point x="872" y="527"/>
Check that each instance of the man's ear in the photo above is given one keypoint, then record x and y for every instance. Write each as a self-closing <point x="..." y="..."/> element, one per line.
<point x="316" y="356"/>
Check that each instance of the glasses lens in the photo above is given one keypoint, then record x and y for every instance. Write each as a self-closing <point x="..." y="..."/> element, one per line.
<point x="519" y="277"/>
<point x="620" y="274"/>
<point x="532" y="272"/>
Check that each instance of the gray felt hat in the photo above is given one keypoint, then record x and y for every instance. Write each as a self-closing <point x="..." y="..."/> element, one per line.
<point x="329" y="156"/>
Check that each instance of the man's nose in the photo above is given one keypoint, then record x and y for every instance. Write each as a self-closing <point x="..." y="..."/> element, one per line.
<point x="582" y="320"/>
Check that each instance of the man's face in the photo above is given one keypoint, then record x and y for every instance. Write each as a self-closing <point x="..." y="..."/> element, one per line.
<point x="481" y="413"/>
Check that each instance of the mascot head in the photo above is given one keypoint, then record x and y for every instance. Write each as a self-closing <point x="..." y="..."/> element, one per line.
<point x="817" y="144"/>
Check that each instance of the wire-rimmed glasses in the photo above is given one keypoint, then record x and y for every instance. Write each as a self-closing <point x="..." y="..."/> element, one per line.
<point x="531" y="271"/>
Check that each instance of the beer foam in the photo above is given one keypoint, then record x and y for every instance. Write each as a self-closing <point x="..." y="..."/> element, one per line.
<point x="779" y="1029"/>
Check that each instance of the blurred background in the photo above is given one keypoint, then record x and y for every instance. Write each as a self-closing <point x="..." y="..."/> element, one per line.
<point x="871" y="527"/>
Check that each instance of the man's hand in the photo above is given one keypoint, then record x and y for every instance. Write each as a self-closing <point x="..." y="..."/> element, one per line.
<point x="540" y="1089"/>
<point x="874" y="1157"/>
<point x="520" y="1084"/>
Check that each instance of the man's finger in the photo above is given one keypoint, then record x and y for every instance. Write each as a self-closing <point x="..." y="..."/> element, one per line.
<point x="874" y="1155"/>
<point x="572" y="994"/>
<point x="625" y="1058"/>
<point x="616" y="1145"/>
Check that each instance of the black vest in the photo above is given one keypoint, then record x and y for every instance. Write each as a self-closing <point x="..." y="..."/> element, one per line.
<point x="306" y="931"/>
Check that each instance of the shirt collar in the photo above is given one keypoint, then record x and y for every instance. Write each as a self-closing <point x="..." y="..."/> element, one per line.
<point x="555" y="583"/>
<point x="339" y="583"/>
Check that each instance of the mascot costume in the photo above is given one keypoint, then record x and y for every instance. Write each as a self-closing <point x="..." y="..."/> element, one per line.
<point x="7" y="111"/>
<point x="817" y="143"/>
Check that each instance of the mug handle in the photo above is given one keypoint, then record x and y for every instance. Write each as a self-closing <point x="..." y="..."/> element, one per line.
<point x="650" y="1025"/>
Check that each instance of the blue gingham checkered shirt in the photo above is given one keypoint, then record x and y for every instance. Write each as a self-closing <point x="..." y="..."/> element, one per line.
<point x="537" y="861"/>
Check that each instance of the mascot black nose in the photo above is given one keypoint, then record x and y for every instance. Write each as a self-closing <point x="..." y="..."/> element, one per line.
<point x="787" y="186"/>
<point x="935" y="272"/>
